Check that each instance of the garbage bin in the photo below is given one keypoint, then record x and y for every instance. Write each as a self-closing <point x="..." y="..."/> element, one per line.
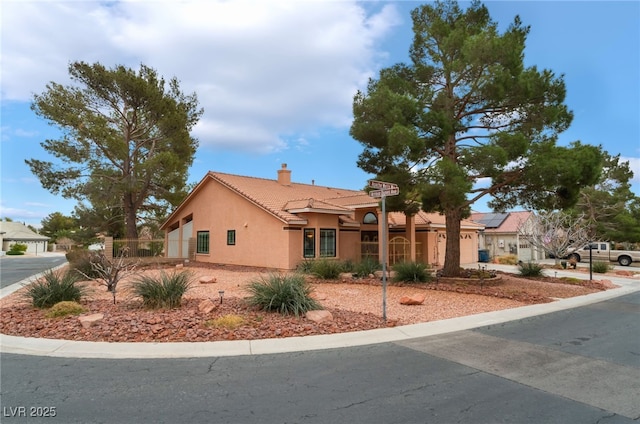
<point x="483" y="255"/>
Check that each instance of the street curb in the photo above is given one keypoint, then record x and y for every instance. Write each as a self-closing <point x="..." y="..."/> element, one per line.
<point x="107" y="350"/>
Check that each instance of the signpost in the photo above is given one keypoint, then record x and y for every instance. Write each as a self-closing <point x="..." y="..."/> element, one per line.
<point x="382" y="190"/>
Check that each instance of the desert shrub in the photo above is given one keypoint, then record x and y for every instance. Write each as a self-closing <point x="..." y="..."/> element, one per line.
<point x="64" y="308"/>
<point x="412" y="272"/>
<point x="164" y="291"/>
<point x="367" y="266"/>
<point x="326" y="269"/>
<point x="80" y="263"/>
<point x="305" y="266"/>
<point x="347" y="266"/>
<point x="229" y="322"/>
<point x="287" y="294"/>
<point x="54" y="287"/>
<point x="600" y="267"/>
<point x="17" y="249"/>
<point x="530" y="269"/>
<point x="507" y="259"/>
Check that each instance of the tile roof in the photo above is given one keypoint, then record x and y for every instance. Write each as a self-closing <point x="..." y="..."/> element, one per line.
<point x="280" y="200"/>
<point x="285" y="200"/>
<point x="422" y="218"/>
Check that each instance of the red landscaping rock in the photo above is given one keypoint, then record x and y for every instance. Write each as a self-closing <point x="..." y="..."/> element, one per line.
<point x="319" y="316"/>
<point x="416" y="299"/>
<point x="206" y="306"/>
<point x="208" y="279"/>
<point x="90" y="320"/>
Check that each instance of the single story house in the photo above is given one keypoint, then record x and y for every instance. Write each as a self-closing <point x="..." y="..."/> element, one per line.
<point x="508" y="233"/>
<point x="241" y="220"/>
<point x="17" y="233"/>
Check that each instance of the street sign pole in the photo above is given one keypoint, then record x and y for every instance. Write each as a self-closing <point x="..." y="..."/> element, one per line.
<point x="382" y="190"/>
<point x="384" y="260"/>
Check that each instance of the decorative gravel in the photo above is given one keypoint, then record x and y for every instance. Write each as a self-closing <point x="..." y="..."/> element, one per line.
<point x="355" y="304"/>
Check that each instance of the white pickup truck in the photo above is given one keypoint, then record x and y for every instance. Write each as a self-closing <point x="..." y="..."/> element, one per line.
<point x="600" y="252"/>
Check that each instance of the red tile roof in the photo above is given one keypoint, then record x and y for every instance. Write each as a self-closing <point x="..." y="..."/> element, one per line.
<point x="284" y="200"/>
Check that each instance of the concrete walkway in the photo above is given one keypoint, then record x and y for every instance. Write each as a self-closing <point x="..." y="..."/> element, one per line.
<point x="77" y="349"/>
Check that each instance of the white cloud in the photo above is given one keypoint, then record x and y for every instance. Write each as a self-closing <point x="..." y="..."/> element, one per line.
<point x="634" y="165"/>
<point x="261" y="69"/>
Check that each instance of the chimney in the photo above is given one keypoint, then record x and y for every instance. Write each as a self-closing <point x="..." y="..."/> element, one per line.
<point x="284" y="175"/>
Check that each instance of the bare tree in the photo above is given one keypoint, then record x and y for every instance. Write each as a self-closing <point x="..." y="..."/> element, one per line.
<point x="111" y="271"/>
<point x="556" y="232"/>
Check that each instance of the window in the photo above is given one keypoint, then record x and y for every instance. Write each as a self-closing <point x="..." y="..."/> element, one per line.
<point x="202" y="242"/>
<point x="231" y="237"/>
<point x="309" y="243"/>
<point x="370" y="218"/>
<point x="327" y="243"/>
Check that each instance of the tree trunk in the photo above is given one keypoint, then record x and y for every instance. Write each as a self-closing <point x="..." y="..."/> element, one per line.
<point x="130" y="218"/>
<point x="452" y="253"/>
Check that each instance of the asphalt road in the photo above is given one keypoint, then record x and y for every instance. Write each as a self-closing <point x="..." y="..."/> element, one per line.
<point x="580" y="365"/>
<point x="17" y="268"/>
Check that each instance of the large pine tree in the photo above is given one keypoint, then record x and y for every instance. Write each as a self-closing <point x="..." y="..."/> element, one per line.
<point x="125" y="141"/>
<point x="467" y="110"/>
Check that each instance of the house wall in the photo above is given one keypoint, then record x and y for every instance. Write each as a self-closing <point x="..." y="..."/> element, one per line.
<point x="349" y="240"/>
<point x="261" y="240"/>
<point x="33" y="246"/>
<point x="501" y="244"/>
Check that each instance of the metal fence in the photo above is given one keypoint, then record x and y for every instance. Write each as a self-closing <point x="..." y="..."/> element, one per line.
<point x="132" y="248"/>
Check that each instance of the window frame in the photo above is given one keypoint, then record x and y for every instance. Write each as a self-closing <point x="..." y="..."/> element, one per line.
<point x="231" y="237"/>
<point x="203" y="242"/>
<point x="312" y="233"/>
<point x="367" y="220"/>
<point x="332" y="250"/>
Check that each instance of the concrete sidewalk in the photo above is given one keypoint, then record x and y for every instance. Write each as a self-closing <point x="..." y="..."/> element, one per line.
<point x="75" y="349"/>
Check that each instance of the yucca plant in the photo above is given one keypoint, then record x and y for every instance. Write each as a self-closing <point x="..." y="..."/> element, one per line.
<point x="530" y="269"/>
<point x="286" y="294"/>
<point x="367" y="266"/>
<point x="54" y="287"/>
<point x="164" y="291"/>
<point x="326" y="269"/>
<point x="412" y="272"/>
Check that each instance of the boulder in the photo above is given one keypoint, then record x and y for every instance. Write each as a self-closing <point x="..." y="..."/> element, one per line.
<point x="90" y="320"/>
<point x="319" y="316"/>
<point x="208" y="279"/>
<point x="416" y="299"/>
<point x="207" y="306"/>
<point x="345" y="276"/>
<point x="390" y="274"/>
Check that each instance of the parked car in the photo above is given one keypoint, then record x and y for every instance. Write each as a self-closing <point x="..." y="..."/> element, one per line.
<point x="600" y="251"/>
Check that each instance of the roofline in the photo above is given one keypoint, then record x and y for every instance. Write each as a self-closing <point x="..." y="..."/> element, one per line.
<point x="317" y="210"/>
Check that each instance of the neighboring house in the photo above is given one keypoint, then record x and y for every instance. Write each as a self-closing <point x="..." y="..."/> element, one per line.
<point x="240" y="220"/>
<point x="16" y="232"/>
<point x="506" y="233"/>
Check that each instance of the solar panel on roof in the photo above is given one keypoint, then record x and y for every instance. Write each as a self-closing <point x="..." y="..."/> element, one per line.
<point x="493" y="220"/>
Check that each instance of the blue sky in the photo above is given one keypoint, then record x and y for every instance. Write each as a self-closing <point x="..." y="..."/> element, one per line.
<point x="277" y="78"/>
